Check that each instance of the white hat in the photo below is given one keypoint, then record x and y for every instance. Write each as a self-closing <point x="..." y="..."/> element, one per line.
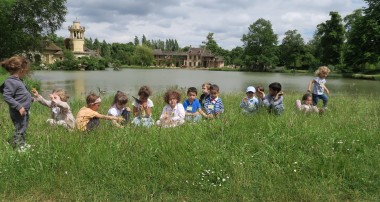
<point x="251" y="89"/>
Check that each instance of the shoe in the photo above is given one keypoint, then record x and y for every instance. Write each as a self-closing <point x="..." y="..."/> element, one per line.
<point x="24" y="148"/>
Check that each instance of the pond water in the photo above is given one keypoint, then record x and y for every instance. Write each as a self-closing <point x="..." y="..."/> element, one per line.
<point x="79" y="83"/>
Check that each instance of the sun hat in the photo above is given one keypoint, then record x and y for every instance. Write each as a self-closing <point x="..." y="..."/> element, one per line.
<point x="251" y="89"/>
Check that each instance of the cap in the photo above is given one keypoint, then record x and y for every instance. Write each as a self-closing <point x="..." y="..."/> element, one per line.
<point x="251" y="89"/>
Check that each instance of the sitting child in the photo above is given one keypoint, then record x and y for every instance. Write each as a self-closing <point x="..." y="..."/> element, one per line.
<point x="273" y="101"/>
<point x="88" y="117"/>
<point x="60" y="110"/>
<point x="213" y="104"/>
<point x="142" y="108"/>
<point x="192" y="106"/>
<point x="205" y="93"/>
<point x="119" y="108"/>
<point x="173" y="113"/>
<point x="307" y="104"/>
<point x="250" y="102"/>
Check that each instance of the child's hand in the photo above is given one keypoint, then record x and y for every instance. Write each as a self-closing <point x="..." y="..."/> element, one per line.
<point x="280" y="94"/>
<point x="120" y="119"/>
<point x="210" y="116"/>
<point x="127" y="109"/>
<point x="22" y="111"/>
<point x="35" y="92"/>
<point x="245" y="100"/>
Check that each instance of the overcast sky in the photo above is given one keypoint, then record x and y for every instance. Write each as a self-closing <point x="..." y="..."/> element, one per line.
<point x="189" y="21"/>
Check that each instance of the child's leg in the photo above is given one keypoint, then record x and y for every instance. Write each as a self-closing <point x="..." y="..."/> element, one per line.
<point x="324" y="99"/>
<point x="197" y="118"/>
<point x="21" y="124"/>
<point x="315" y="99"/>
<point x="94" y="122"/>
<point x="278" y="110"/>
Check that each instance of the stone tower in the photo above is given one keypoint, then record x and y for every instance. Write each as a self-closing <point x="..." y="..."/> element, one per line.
<point x="77" y="37"/>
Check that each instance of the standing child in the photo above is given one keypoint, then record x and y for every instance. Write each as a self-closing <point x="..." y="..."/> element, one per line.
<point x="205" y="93"/>
<point x="60" y="110"/>
<point x="250" y="102"/>
<point x="319" y="86"/>
<point x="192" y="106"/>
<point x="88" y="117"/>
<point x="213" y="103"/>
<point x="119" y="108"/>
<point x="173" y="114"/>
<point x="18" y="98"/>
<point x="273" y="101"/>
<point x="142" y="108"/>
<point x="306" y="104"/>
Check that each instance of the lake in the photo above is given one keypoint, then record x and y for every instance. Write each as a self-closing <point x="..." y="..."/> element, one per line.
<point x="80" y="83"/>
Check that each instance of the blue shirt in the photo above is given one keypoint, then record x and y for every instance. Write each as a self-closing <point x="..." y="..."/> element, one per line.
<point x="251" y="105"/>
<point x="192" y="107"/>
<point x="213" y="106"/>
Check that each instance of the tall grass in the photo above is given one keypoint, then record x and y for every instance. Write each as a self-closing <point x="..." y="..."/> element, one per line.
<point x="293" y="157"/>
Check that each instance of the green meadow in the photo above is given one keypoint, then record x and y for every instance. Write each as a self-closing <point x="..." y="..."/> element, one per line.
<point x="293" y="157"/>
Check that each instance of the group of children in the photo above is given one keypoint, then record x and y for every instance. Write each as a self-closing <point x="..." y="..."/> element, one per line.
<point x="174" y="113"/>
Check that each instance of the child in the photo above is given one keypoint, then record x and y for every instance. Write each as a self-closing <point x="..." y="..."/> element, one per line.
<point x="60" y="110"/>
<point x="307" y="104"/>
<point x="250" y="102"/>
<point x="192" y="106"/>
<point x="273" y="101"/>
<point x="213" y="104"/>
<point x="18" y="98"/>
<point x="173" y="113"/>
<point x="319" y="86"/>
<point x="260" y="95"/>
<point x="142" y="108"/>
<point x="118" y="108"/>
<point x="205" y="93"/>
<point x="88" y="117"/>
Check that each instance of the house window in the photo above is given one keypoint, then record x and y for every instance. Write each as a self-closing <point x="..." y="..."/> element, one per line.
<point x="190" y="64"/>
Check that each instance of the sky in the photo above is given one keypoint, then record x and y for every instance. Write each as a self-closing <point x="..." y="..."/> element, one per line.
<point x="190" y="21"/>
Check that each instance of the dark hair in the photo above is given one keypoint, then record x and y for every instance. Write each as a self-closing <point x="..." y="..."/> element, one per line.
<point x="260" y="88"/>
<point x="192" y="90"/>
<point x="16" y="63"/>
<point x="120" y="98"/>
<point x="307" y="95"/>
<point x="275" y="86"/>
<point x="214" y="87"/>
<point x="170" y="93"/>
<point x="90" y="99"/>
<point x="144" y="91"/>
<point x="208" y="85"/>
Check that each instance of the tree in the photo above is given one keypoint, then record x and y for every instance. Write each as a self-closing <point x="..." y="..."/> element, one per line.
<point x="96" y="45"/>
<point x="143" y="55"/>
<point x="260" y="46"/>
<point x="143" y="41"/>
<point x="212" y="45"/>
<point x="105" y="50"/>
<point x="136" y="41"/>
<point x="332" y="38"/>
<point x="24" y="23"/>
<point x="236" y="56"/>
<point x="292" y="48"/>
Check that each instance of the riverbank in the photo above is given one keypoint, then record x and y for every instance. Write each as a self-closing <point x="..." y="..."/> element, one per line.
<point x="238" y="158"/>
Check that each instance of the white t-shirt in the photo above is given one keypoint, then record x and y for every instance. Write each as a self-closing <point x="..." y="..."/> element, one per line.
<point x="318" y="86"/>
<point x="137" y="105"/>
<point x="114" y="111"/>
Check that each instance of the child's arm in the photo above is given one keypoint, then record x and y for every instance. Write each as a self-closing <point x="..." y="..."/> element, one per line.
<point x="101" y="116"/>
<point x="243" y="103"/>
<point x="299" y="105"/>
<point x="40" y="99"/>
<point x="326" y="89"/>
<point x="309" y="86"/>
<point x="135" y="111"/>
<point x="201" y="112"/>
<point x="278" y="100"/>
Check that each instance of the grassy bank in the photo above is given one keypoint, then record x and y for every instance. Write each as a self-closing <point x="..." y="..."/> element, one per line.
<point x="295" y="157"/>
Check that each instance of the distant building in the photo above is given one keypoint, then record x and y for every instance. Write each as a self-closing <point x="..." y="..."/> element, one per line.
<point x="76" y="41"/>
<point x="195" y="57"/>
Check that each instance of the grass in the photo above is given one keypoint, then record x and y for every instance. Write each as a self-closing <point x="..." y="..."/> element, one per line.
<point x="294" y="157"/>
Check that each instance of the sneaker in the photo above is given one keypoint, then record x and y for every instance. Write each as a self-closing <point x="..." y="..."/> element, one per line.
<point x="24" y="148"/>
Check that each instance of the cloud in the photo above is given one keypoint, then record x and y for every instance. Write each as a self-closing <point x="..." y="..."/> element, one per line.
<point x="190" y="21"/>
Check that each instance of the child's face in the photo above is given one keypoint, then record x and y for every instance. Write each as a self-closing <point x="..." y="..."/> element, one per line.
<point x="323" y="74"/>
<point x="120" y="106"/>
<point x="95" y="106"/>
<point x="143" y="99"/>
<point x="309" y="101"/>
<point x="214" y="94"/>
<point x="272" y="92"/>
<point x="250" y="94"/>
<point x="191" y="96"/>
<point x="54" y="96"/>
<point x="173" y="101"/>
<point x="205" y="90"/>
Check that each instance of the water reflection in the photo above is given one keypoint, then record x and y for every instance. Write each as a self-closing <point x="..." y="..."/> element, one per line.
<point x="80" y="83"/>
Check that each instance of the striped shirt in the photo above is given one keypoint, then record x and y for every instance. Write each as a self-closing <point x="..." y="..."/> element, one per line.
<point x="213" y="106"/>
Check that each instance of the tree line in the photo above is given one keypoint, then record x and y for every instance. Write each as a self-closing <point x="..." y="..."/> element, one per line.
<point x="349" y="44"/>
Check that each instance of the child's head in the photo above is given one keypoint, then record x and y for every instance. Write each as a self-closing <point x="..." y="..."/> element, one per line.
<point x="214" y="91"/>
<point x="260" y="88"/>
<point x="322" y="72"/>
<point x="206" y="88"/>
<point x="120" y="100"/>
<point x="144" y="93"/>
<point x="307" y="99"/>
<point x="172" y="97"/>
<point x="16" y="64"/>
<point x="192" y="93"/>
<point x="93" y="101"/>
<point x="274" y="88"/>
<point x="250" y="92"/>
<point x="61" y="93"/>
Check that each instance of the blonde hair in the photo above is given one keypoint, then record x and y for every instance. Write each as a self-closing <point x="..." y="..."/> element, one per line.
<point x="322" y="69"/>
<point x="207" y="85"/>
<point x="120" y="98"/>
<point x="62" y="94"/>
<point x="15" y="64"/>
